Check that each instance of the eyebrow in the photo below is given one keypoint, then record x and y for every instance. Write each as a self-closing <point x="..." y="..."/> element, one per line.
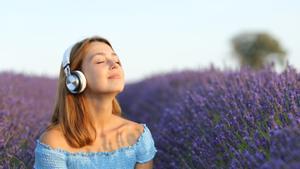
<point x="102" y="54"/>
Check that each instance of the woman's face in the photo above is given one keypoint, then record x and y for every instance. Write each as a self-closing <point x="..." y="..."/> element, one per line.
<point x="98" y="65"/>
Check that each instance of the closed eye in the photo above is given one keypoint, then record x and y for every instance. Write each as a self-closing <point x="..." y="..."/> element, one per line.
<point x="103" y="61"/>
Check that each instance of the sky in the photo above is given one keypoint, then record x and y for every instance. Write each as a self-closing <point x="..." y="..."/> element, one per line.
<point x="150" y="37"/>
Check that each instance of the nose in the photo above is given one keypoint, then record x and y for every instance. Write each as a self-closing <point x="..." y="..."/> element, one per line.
<point x="113" y="64"/>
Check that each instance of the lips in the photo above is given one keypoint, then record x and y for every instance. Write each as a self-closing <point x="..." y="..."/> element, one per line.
<point x="114" y="76"/>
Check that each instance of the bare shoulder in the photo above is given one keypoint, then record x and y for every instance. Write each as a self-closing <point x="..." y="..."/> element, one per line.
<point x="132" y="126"/>
<point x="54" y="138"/>
<point x="132" y="129"/>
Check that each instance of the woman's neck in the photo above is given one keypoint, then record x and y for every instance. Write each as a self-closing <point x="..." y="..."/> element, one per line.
<point x="100" y="109"/>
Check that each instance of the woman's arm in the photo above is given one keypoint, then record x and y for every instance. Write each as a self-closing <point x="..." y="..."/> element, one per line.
<point x="146" y="150"/>
<point x="45" y="156"/>
<point x="147" y="165"/>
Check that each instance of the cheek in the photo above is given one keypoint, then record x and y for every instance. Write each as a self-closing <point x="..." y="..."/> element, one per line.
<point x="97" y="82"/>
<point x="95" y="74"/>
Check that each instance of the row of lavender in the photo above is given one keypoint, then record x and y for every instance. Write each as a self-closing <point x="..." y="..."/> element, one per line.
<point x="220" y="119"/>
<point x="199" y="119"/>
<point x="25" y="106"/>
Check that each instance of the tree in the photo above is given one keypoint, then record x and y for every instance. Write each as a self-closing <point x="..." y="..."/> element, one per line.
<point x="258" y="49"/>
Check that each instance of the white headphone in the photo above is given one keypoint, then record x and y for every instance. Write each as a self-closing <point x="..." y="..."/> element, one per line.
<point x="75" y="80"/>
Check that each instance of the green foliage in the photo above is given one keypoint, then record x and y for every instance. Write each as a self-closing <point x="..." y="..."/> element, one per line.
<point x="257" y="49"/>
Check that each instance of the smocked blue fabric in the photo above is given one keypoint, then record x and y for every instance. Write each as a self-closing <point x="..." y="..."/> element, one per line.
<point x="142" y="151"/>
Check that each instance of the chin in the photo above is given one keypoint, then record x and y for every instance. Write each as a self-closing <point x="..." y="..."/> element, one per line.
<point x="117" y="89"/>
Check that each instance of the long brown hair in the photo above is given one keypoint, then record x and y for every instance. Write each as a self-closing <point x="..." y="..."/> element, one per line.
<point x="70" y="112"/>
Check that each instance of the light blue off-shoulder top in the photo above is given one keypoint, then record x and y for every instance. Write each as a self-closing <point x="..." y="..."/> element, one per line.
<point x="142" y="151"/>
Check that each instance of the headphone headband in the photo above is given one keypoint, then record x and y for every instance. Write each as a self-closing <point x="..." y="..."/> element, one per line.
<point x="66" y="60"/>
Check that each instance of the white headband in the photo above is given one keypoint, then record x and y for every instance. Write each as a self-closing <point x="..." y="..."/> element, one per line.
<point x="66" y="60"/>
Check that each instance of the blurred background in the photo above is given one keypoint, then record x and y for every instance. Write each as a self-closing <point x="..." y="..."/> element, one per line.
<point x="216" y="82"/>
<point x="151" y="36"/>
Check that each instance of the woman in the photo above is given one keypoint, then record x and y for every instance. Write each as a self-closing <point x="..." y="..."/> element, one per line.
<point x="87" y="129"/>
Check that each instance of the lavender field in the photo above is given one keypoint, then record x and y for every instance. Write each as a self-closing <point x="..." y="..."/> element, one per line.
<point x="198" y="118"/>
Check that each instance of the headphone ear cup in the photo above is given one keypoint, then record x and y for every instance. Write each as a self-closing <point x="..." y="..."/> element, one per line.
<point x="82" y="80"/>
<point x="72" y="82"/>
